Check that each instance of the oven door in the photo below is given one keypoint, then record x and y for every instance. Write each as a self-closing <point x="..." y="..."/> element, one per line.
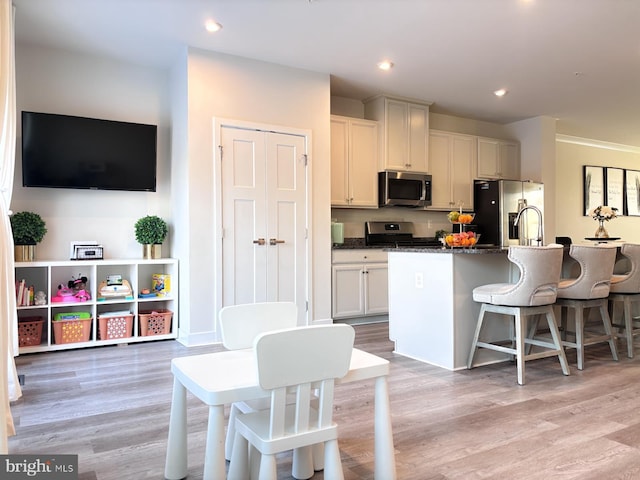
<point x="404" y="189"/>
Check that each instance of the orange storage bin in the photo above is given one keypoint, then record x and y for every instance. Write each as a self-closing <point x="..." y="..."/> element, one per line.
<point x="30" y="331"/>
<point x="115" y="326"/>
<point x="72" y="327"/>
<point x="155" y="322"/>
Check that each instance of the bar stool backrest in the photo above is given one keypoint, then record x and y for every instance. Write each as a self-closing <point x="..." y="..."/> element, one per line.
<point x="539" y="275"/>
<point x="596" y="267"/>
<point x="629" y="282"/>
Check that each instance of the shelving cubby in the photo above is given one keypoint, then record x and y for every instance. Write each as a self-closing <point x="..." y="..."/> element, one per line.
<point x="46" y="276"/>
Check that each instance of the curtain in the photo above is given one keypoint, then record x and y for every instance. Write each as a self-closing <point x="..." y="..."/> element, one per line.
<point x="9" y="386"/>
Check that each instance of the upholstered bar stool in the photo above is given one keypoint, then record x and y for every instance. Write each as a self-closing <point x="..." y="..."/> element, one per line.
<point x="533" y="294"/>
<point x="625" y="290"/>
<point x="589" y="289"/>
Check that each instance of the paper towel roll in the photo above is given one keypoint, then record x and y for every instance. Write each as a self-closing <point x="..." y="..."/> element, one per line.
<point x="337" y="233"/>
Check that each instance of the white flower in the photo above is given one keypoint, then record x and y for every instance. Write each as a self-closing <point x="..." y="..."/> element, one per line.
<point x="603" y="212"/>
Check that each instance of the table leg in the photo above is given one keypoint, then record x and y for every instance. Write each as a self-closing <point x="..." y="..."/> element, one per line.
<point x="214" y="461"/>
<point x="176" y="462"/>
<point x="385" y="462"/>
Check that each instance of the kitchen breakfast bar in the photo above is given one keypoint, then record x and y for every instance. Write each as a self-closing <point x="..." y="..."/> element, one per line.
<point x="432" y="315"/>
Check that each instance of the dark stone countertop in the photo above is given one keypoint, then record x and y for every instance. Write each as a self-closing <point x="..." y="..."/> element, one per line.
<point x="482" y="250"/>
<point x="357" y="243"/>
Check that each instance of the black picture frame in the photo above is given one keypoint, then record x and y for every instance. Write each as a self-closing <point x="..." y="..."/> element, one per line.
<point x="615" y="188"/>
<point x="632" y="192"/>
<point x="593" y="188"/>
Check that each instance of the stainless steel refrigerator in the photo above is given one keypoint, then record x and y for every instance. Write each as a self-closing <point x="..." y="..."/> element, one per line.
<point x="497" y="203"/>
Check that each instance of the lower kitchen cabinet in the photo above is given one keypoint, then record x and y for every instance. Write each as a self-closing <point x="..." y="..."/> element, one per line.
<point x="115" y="312"/>
<point x="359" y="283"/>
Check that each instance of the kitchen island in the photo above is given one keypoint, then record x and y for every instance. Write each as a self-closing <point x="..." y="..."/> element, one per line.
<point x="432" y="315"/>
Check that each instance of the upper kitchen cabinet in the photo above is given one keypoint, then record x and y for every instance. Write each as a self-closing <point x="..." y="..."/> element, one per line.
<point x="404" y="139"/>
<point x="354" y="162"/>
<point x="453" y="163"/>
<point x="498" y="159"/>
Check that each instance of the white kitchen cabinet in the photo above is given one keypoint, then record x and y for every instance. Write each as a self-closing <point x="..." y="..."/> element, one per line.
<point x="404" y="139"/>
<point x="354" y="162"/>
<point x="498" y="159"/>
<point x="359" y="283"/>
<point x="453" y="165"/>
<point x="46" y="276"/>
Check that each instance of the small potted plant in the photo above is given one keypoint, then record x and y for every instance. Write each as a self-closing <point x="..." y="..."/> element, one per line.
<point x="28" y="230"/>
<point x="151" y="232"/>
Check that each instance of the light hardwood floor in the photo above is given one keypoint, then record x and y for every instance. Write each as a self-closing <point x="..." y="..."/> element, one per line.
<point x="110" y="406"/>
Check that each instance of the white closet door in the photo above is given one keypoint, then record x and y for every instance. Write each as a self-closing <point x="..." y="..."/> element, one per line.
<point x="264" y="217"/>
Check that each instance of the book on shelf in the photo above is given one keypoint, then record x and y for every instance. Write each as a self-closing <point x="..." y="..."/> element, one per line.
<point x="19" y="292"/>
<point x="24" y="294"/>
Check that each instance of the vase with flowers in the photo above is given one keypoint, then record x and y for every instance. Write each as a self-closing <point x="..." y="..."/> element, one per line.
<point x="603" y="213"/>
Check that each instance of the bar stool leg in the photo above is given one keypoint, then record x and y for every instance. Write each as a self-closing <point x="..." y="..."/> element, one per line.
<point x="520" y="325"/>
<point x="476" y="336"/>
<point x="555" y="334"/>
<point x="579" y="318"/>
<point x="628" y="326"/>
<point x="604" y="314"/>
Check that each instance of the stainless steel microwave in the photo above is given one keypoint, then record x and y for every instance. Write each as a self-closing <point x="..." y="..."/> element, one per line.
<point x="404" y="189"/>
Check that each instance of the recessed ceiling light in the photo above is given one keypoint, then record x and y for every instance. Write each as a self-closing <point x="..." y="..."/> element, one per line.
<point x="385" y="65"/>
<point x="500" y="93"/>
<point x="213" y="26"/>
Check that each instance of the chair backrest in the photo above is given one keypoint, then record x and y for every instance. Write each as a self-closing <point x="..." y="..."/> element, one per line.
<point x="566" y="241"/>
<point x="595" y="270"/>
<point x="539" y="276"/>
<point x="241" y="324"/>
<point x="302" y="359"/>
<point x="629" y="282"/>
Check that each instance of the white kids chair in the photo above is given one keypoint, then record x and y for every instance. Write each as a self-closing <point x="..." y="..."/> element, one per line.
<point x="239" y="326"/>
<point x="302" y="359"/>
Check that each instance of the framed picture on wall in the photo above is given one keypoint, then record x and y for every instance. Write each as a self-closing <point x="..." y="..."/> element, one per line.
<point x="632" y="191"/>
<point x="593" y="184"/>
<point x="614" y="180"/>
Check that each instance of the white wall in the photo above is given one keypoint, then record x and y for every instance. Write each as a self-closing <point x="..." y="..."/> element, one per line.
<point x="230" y="87"/>
<point x="570" y="158"/>
<point x="55" y="81"/>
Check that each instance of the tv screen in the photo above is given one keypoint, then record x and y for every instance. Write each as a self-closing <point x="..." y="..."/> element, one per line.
<point x="62" y="151"/>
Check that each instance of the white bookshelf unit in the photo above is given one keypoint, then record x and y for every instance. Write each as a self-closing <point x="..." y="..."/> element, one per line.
<point x="46" y="276"/>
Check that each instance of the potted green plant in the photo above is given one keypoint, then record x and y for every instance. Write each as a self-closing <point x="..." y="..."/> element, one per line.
<point x="28" y="230"/>
<point x="151" y="232"/>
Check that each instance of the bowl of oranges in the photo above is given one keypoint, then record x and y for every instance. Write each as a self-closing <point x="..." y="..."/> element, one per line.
<point x="460" y="218"/>
<point x="461" y="240"/>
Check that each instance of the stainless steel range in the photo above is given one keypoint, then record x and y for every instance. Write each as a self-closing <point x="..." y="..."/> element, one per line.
<point x="395" y="234"/>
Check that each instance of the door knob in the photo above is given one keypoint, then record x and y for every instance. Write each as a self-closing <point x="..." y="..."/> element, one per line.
<point x="273" y="241"/>
<point x="259" y="241"/>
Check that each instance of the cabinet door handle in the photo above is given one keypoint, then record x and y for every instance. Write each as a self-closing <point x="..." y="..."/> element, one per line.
<point x="273" y="241"/>
<point x="259" y="241"/>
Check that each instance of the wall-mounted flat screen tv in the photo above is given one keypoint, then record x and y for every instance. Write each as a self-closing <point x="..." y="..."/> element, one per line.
<point x="63" y="151"/>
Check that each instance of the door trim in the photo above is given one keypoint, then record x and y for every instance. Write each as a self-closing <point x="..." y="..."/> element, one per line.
<point x="218" y="124"/>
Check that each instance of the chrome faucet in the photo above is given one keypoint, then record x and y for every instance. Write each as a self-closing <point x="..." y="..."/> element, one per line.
<point x="540" y="238"/>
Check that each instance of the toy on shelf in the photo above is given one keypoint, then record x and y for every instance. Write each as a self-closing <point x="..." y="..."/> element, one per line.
<point x="75" y="291"/>
<point x="40" y="298"/>
<point x="113" y="287"/>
